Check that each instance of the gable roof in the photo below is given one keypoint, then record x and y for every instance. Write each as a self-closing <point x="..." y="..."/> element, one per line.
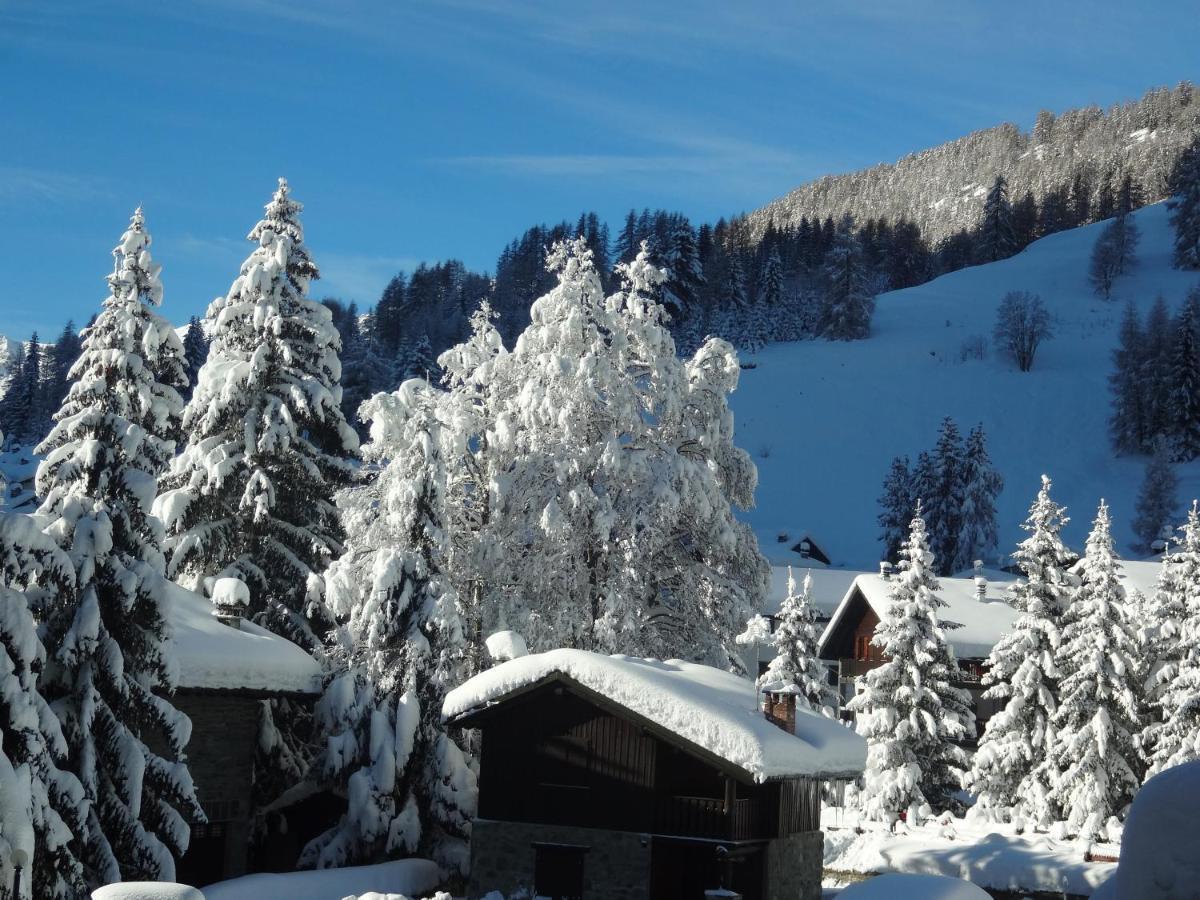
<point x="712" y="712"/>
<point x="213" y="656"/>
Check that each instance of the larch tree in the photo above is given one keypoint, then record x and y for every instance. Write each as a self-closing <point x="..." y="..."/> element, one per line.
<point x="43" y="809"/>
<point x="910" y="711"/>
<point x="1008" y="773"/>
<point x="251" y="495"/>
<point x="407" y="784"/>
<point x="1172" y="736"/>
<point x="1093" y="765"/>
<point x="796" y="668"/>
<point x="110" y="672"/>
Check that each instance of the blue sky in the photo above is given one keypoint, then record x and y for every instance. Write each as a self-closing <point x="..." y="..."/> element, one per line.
<point x="417" y="130"/>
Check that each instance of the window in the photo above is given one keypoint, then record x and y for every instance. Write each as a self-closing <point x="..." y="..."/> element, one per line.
<point x="558" y="871"/>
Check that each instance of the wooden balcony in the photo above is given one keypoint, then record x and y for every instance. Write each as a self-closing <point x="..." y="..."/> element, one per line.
<point x="706" y="817"/>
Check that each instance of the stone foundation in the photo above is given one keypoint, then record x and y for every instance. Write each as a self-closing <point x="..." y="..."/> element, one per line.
<point x="794" y="866"/>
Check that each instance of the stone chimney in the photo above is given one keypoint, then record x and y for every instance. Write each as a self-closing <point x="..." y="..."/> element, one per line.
<point x="231" y="597"/>
<point x="980" y="582"/>
<point x="781" y="711"/>
<point x="885" y="570"/>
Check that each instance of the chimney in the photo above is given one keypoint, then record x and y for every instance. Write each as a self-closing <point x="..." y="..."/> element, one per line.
<point x="885" y="570"/>
<point x="230" y="596"/>
<point x="980" y="582"/>
<point x="781" y="711"/>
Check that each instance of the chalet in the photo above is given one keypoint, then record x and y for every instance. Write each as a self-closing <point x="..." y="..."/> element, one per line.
<point x="792" y="547"/>
<point x="629" y="778"/>
<point x="227" y="668"/>
<point x="977" y="603"/>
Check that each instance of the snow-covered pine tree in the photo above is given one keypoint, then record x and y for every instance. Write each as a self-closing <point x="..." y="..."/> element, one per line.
<point x="195" y="351"/>
<point x="1008" y="773"/>
<point x="895" y="507"/>
<point x="1093" y="764"/>
<point x="1173" y="734"/>
<point x="685" y="277"/>
<point x="943" y="508"/>
<point x="1128" y="426"/>
<point x="996" y="239"/>
<point x="251" y="496"/>
<point x="18" y="408"/>
<point x="733" y="304"/>
<point x="1185" y="208"/>
<point x="770" y="296"/>
<point x="1156" y="502"/>
<point x="848" y="302"/>
<point x="43" y="809"/>
<point x="982" y="484"/>
<point x="1183" y="399"/>
<point x="909" y="711"/>
<point x="796" y="668"/>
<point x="407" y="784"/>
<point x="109" y="669"/>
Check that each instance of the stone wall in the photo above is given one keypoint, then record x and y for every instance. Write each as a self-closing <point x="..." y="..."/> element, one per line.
<point x="616" y="865"/>
<point x="794" y="866"/>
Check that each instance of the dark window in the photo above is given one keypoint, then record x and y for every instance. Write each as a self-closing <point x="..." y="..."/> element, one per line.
<point x="204" y="861"/>
<point x="558" y="871"/>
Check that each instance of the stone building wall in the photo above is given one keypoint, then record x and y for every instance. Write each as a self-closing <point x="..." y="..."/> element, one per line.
<point x="794" y="866"/>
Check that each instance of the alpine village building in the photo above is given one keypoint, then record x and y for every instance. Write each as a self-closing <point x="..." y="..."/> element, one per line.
<point x="615" y="777"/>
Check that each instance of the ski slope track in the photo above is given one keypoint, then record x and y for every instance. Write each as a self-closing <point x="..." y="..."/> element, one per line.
<point x="823" y="420"/>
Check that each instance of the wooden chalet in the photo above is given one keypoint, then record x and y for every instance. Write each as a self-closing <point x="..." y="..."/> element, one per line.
<point x="617" y="777"/>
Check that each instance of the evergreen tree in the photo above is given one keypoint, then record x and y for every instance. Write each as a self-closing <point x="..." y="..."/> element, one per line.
<point x="60" y="359"/>
<point x="944" y="506"/>
<point x="796" y="668"/>
<point x="1173" y="734"/>
<point x="364" y="371"/>
<point x="407" y="785"/>
<point x="910" y="712"/>
<point x="19" y="410"/>
<point x="1093" y="763"/>
<point x="895" y="507"/>
<point x="1183" y="400"/>
<point x="251" y="496"/>
<point x="1008" y="773"/>
<point x="195" y="352"/>
<point x="43" y="804"/>
<point x="1155" y="373"/>
<point x="1185" y="208"/>
<point x="734" y="305"/>
<point x="848" y="302"/>
<point x="1024" y="221"/>
<point x="420" y="362"/>
<point x="110" y="668"/>
<point x="685" y="277"/>
<point x="389" y="315"/>
<point x="977" y="535"/>
<point x="1112" y="254"/>
<point x="1156" y="502"/>
<point x="1128" y="426"/>
<point x="996" y="238"/>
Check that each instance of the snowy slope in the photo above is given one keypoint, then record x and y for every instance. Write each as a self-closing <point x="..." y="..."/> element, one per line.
<point x="824" y="419"/>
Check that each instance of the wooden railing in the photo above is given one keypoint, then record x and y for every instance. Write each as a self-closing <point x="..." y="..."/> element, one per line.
<point x="706" y="817"/>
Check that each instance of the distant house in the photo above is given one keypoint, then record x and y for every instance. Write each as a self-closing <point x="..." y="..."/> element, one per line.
<point x="792" y="546"/>
<point x="226" y="671"/>
<point x="978" y="604"/>
<point x="614" y="777"/>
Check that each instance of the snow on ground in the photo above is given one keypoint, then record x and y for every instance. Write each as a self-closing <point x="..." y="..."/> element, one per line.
<point x="824" y="419"/>
<point x="146" y="890"/>
<point x="410" y="877"/>
<point x="988" y="855"/>
<point x="711" y="708"/>
<point x="913" y="887"/>
<point x="1160" y="847"/>
<point x="213" y="655"/>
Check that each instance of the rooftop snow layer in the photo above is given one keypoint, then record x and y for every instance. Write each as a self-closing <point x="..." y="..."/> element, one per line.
<point x="712" y="709"/>
<point x="982" y="621"/>
<point x="214" y="656"/>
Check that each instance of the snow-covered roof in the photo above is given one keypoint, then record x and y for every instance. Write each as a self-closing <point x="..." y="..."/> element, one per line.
<point x="215" y="656"/>
<point x="982" y="621"/>
<point x="829" y="586"/>
<point x="782" y="552"/>
<point x="713" y="710"/>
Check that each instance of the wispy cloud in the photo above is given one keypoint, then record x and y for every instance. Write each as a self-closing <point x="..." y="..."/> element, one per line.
<point x="23" y="184"/>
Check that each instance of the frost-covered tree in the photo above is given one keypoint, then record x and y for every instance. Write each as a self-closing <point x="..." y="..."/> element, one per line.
<point x="42" y="806"/>
<point x="1173" y="734"/>
<point x="1022" y="324"/>
<point x="109" y="672"/>
<point x="1185" y="208"/>
<point x="848" y="302"/>
<point x="251" y="496"/>
<point x="1008" y="773"/>
<point x="996" y="238"/>
<point x="944" y="506"/>
<point x="1156" y="501"/>
<point x="982" y="484"/>
<point x="1093" y="765"/>
<point x="895" y="507"/>
<point x="407" y="785"/>
<point x="909" y="711"/>
<point x="796" y="668"/>
<point x="1183" y="399"/>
